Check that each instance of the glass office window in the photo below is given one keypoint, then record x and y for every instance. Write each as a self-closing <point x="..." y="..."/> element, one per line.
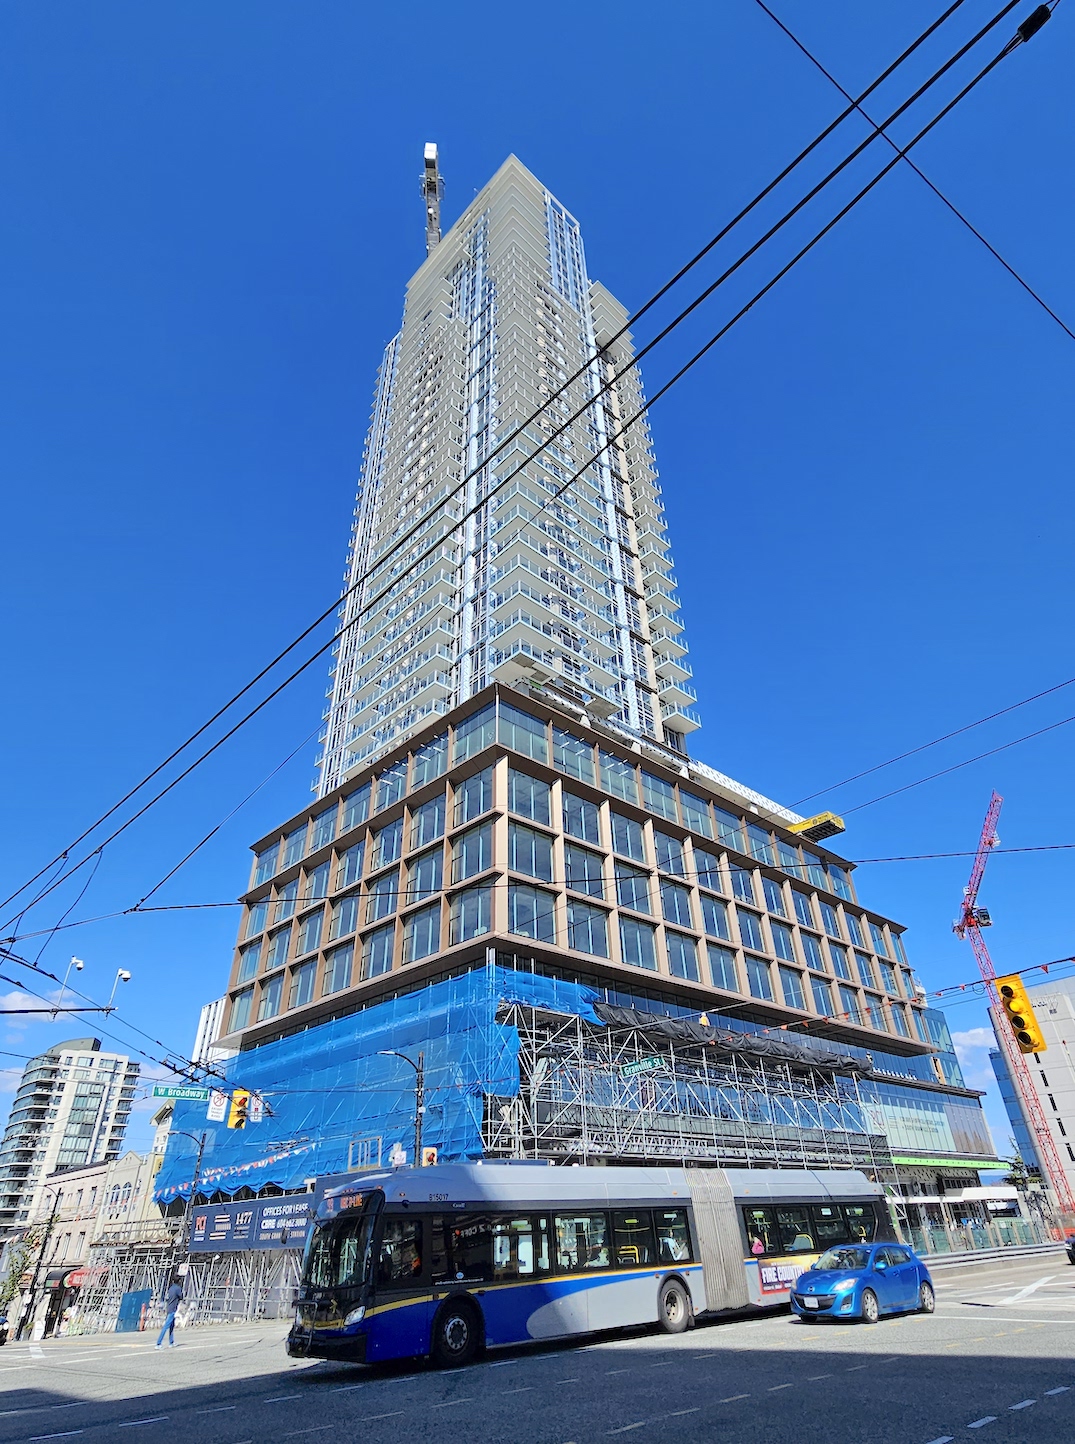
<point x="707" y="867"/>
<point x="822" y="992"/>
<point x="240" y="1010"/>
<point x="249" y="958"/>
<point x="729" y="829"/>
<point x="529" y="852"/>
<point x="637" y="945"/>
<point x="676" y="904"/>
<point x="388" y="843"/>
<point x="338" y="966"/>
<point x="840" y="882"/>
<point x="587" y="929"/>
<point x="787" y="857"/>
<point x="528" y="797"/>
<point x="849" y="1005"/>
<point x="897" y="944"/>
<point x="421" y="934"/>
<point x="271" y="995"/>
<point x="344" y="918"/>
<point x="682" y="956"/>
<point x="302" y="984"/>
<point x="383" y="896"/>
<point x="349" y="868"/>
<point x="669" y="851"/>
<point x="815" y="870"/>
<point x="840" y="965"/>
<point x="761" y="844"/>
<point x="803" y="911"/>
<point x="759" y="979"/>
<point x="750" y="929"/>
<point x="584" y="870"/>
<point x="715" y="917"/>
<point x="279" y="942"/>
<point x="879" y="944"/>
<point x="295" y="846"/>
<point x="695" y="813"/>
<point x="392" y="784"/>
<point x="265" y="864"/>
<point x="581" y="818"/>
<point x="429" y="761"/>
<point x="471" y="913"/>
<point x="659" y="797"/>
<point x="830" y="921"/>
<point x="618" y="778"/>
<point x="522" y="733"/>
<point x="632" y="888"/>
<point x="812" y="952"/>
<point x="791" y="985"/>
<point x="356" y="807"/>
<point x="875" y="1012"/>
<point x="427" y="821"/>
<point x="472" y="852"/>
<point x="571" y="756"/>
<point x="854" y="929"/>
<point x="531" y="913"/>
<point x="774" y="897"/>
<point x="783" y="943"/>
<point x="742" y="885"/>
<point x="377" y="953"/>
<point x="899" y="1017"/>
<point x="628" y="837"/>
<point x="317" y="882"/>
<point x="888" y="979"/>
<point x="473" y="796"/>
<point x="425" y="876"/>
<point x="722" y="967"/>
<point x="865" y="970"/>
<point x="309" y="933"/>
<point x="256" y="918"/>
<point x="474" y="733"/>
<point x="324" y="828"/>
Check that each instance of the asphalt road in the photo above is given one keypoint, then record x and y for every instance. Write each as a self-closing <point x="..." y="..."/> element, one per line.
<point x="995" y="1363"/>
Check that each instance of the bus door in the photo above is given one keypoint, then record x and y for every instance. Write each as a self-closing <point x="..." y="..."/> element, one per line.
<point x="402" y="1299"/>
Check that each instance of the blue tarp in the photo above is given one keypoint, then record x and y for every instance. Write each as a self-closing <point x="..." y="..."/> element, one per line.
<point x="328" y="1088"/>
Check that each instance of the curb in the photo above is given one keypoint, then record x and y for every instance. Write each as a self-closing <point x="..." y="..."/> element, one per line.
<point x="1030" y="1250"/>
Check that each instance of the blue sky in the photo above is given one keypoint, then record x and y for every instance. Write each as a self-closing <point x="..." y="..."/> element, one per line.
<point x="212" y="214"/>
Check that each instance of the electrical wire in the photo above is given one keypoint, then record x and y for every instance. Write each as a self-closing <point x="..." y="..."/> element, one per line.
<point x="542" y="446"/>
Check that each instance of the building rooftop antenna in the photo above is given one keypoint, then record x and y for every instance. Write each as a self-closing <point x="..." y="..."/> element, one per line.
<point x="432" y="194"/>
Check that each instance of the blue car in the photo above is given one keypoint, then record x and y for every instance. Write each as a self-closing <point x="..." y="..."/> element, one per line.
<point x="863" y="1281"/>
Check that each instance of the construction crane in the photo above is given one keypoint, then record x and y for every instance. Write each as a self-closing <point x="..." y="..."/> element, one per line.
<point x="432" y="193"/>
<point x="972" y="919"/>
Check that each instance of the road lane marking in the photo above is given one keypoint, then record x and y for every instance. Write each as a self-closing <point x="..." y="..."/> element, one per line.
<point x="344" y="1388"/>
<point x="217" y="1409"/>
<point x="370" y="1418"/>
<point x="317" y="1428"/>
<point x="449" y="1402"/>
<point x="774" y="1387"/>
<point x="279" y="1398"/>
<point x="565" y="1381"/>
<point x="1030" y="1289"/>
<point x="732" y="1398"/>
<point x="626" y="1428"/>
<point x="678" y="1413"/>
<point x="853" y="1367"/>
<point x="981" y="1423"/>
<point x="944" y="1439"/>
<point x="1062" y="1390"/>
<point x="68" y="1435"/>
<point x="1024" y="1405"/>
<point x="526" y="1389"/>
<point x="610" y="1372"/>
<point x="137" y="1423"/>
<point x="813" y="1378"/>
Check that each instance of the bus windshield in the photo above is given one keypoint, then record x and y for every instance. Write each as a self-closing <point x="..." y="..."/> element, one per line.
<point x="338" y="1253"/>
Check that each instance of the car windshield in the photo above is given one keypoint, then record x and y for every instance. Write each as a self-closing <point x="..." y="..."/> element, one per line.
<point x="844" y="1258"/>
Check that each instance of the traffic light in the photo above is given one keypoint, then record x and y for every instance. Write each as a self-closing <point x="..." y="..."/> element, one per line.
<point x="240" y="1108"/>
<point x="429" y="1157"/>
<point x="1020" y="1015"/>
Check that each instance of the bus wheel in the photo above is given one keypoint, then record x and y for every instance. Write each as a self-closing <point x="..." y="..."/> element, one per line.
<point x="673" y="1307"/>
<point x="456" y="1335"/>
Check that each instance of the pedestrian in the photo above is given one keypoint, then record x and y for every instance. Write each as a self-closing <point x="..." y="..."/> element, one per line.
<point x="172" y="1299"/>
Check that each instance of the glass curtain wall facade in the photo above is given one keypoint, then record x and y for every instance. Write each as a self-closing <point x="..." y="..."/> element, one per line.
<point x="468" y="554"/>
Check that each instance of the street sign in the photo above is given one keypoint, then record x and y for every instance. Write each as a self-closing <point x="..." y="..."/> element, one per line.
<point x="642" y="1065"/>
<point x="218" y="1107"/>
<point x="171" y="1090"/>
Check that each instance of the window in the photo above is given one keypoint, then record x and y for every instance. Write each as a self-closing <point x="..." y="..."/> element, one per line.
<point x="888" y="978"/>
<point x="669" y="851"/>
<point x="722" y="967"/>
<point x="774" y="897"/>
<point x="618" y="778"/>
<point x="632" y="1238"/>
<point x="830" y="1226"/>
<point x="295" y="846"/>
<point x="356" y="807"/>
<point x="426" y="875"/>
<point x="529" y="852"/>
<point x="383" y="896"/>
<point x="750" y="931"/>
<point x="897" y="944"/>
<point x="587" y="929"/>
<point x="249" y="958"/>
<point x="474" y="796"/>
<point x="822" y="992"/>
<point x="473" y="734"/>
<point x="427" y="821"/>
<point x="803" y="911"/>
<point x="865" y="970"/>
<point x="471" y="914"/>
<point x="528" y="797"/>
<point x="571" y="756"/>
<point x="338" y="969"/>
<point x="682" y="956"/>
<point x="839" y="882"/>
<point x="791" y="985"/>
<point x="849" y="1005"/>
<point x="286" y="898"/>
<point x="632" y="888"/>
<point x="302" y="984"/>
<point x="388" y="843"/>
<point x="840" y="965"/>
<point x="530" y="913"/>
<point x="256" y="918"/>
<point x="523" y="733"/>
<point x="758" y="978"/>
<point x="815" y="871"/>
<point x="392" y="784"/>
<point x="715" y="918"/>
<point x="761" y="844"/>
<point x="309" y="935"/>
<point x="899" y="1017"/>
<point x="783" y="943"/>
<point x="673" y="1235"/>
<point x="829" y="921"/>
<point x="707" y="866"/>
<point x="878" y="934"/>
<point x="349" y="868"/>
<point x="472" y="852"/>
<point x="854" y="929"/>
<point x="659" y="797"/>
<point x="421" y="934"/>
<point x="580" y="818"/>
<point x="636" y="944"/>
<point x="627" y="837"/>
<point x="316" y="883"/>
<point x="729" y="829"/>
<point x="812" y="952"/>
<point x="377" y="958"/>
<point x="430" y="761"/>
<point x="676" y="904"/>
<point x="279" y="942"/>
<point x="265" y="864"/>
<point x="743" y="885"/>
<point x="324" y="828"/>
<point x="788" y="858"/>
<point x="695" y="813"/>
<point x="271" y="994"/>
<point x="875" y="1011"/>
<point x="584" y="871"/>
<point x="399" y="1261"/>
<point x="344" y="918"/>
<point x="581" y="1241"/>
<point x="240" y="1010"/>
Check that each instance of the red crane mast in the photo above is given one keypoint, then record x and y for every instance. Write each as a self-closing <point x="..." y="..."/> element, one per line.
<point x="972" y="919"/>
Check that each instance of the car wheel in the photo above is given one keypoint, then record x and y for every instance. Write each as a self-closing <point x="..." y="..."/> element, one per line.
<point x="456" y="1336"/>
<point x="870" y="1311"/>
<point x="673" y="1307"/>
<point x="926" y="1299"/>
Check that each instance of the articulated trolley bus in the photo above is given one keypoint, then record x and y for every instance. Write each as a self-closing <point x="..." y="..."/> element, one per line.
<point x="443" y="1261"/>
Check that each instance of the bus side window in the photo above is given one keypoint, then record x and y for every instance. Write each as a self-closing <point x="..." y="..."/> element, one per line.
<point x="544" y="1263"/>
<point x="582" y="1241"/>
<point x="632" y="1238"/>
<point x="796" y="1230"/>
<point x="673" y="1235"/>
<point x="829" y="1224"/>
<point x="400" y="1256"/>
<point x="762" y="1236"/>
<point x="472" y="1247"/>
<point x="513" y="1248"/>
<point x="440" y="1259"/>
<point x="861" y="1221"/>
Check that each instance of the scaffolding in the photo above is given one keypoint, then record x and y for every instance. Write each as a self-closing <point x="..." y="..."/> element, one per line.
<point x="621" y="1093"/>
<point x="132" y="1259"/>
<point x="241" y="1287"/>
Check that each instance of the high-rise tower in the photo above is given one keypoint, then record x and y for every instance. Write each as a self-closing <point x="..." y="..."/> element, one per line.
<point x="450" y="587"/>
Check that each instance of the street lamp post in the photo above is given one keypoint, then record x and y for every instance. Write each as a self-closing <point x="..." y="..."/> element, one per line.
<point x="419" y="1095"/>
<point x="199" y="1139"/>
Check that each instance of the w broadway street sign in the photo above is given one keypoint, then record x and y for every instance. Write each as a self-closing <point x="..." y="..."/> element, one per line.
<point x="171" y="1090"/>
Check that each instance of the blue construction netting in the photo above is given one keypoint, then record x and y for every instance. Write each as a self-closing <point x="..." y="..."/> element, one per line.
<point x="329" y="1090"/>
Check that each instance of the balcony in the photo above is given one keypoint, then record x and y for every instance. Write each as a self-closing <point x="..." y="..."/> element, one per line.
<point x="680" y="717"/>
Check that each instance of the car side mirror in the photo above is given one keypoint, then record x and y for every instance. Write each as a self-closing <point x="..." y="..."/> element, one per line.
<point x="880" y="1265"/>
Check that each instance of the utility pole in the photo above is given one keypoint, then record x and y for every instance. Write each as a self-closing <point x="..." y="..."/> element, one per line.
<point x="419" y="1095"/>
<point x="185" y="1242"/>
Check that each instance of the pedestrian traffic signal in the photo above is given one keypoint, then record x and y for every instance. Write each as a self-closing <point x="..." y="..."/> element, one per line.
<point x="429" y="1157"/>
<point x="240" y="1108"/>
<point x="1020" y="1015"/>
